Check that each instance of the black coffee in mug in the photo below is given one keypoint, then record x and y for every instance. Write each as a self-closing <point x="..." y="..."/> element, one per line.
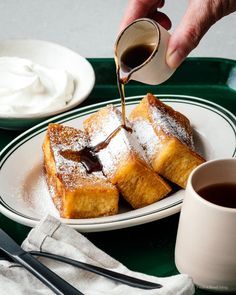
<point x="222" y="194"/>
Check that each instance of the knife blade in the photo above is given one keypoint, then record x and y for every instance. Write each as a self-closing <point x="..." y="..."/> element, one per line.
<point x="35" y="267"/>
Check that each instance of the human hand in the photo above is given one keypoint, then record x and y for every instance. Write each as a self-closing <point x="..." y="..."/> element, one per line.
<point x="145" y="8"/>
<point x="199" y="17"/>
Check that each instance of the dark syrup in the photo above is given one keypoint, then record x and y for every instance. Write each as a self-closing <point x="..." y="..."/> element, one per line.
<point x="135" y="56"/>
<point x="131" y="58"/>
<point x="87" y="156"/>
<point x="222" y="194"/>
<point x="104" y="144"/>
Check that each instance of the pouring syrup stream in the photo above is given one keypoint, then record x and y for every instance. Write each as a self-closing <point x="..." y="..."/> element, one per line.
<point x="130" y="59"/>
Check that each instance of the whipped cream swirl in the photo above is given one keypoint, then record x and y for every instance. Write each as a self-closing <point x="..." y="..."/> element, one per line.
<point x="29" y="88"/>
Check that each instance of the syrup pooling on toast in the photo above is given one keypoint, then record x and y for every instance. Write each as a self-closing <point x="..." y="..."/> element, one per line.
<point x="87" y="155"/>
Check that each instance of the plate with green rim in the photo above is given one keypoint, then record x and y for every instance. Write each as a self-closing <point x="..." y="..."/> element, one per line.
<point x="28" y="200"/>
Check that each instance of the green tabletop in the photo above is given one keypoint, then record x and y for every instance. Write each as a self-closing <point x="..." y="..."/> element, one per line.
<point x="148" y="248"/>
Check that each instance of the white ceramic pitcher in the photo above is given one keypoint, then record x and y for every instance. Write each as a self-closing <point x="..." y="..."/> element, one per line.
<point x="146" y="31"/>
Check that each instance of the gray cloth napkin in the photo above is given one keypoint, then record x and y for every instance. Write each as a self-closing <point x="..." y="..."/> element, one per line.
<point x="51" y="235"/>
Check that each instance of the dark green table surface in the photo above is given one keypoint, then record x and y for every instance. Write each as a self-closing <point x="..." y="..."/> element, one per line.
<point x="148" y="248"/>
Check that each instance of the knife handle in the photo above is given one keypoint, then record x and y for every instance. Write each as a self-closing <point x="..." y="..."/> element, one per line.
<point x="119" y="277"/>
<point x="45" y="275"/>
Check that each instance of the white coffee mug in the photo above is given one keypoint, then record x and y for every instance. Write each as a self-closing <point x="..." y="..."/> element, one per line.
<point x="206" y="239"/>
<point x="145" y="31"/>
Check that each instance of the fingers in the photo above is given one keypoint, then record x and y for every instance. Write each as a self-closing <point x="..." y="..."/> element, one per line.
<point x="194" y="24"/>
<point x="199" y="17"/>
<point x="161" y="18"/>
<point x="161" y="4"/>
<point x="140" y="8"/>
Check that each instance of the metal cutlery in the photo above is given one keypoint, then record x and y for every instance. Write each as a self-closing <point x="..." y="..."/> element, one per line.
<point x="35" y="267"/>
<point x="11" y="249"/>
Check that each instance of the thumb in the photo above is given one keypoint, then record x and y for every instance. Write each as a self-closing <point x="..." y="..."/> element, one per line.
<point x="198" y="18"/>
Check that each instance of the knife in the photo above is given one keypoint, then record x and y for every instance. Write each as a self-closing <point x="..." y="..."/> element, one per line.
<point x="35" y="267"/>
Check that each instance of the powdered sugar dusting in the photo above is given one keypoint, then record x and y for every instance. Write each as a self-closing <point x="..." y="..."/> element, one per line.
<point x="120" y="145"/>
<point x="35" y="194"/>
<point x="171" y="126"/>
<point x="147" y="137"/>
<point x="73" y="173"/>
<point x="66" y="139"/>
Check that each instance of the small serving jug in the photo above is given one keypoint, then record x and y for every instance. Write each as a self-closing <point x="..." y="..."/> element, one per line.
<point x="143" y="32"/>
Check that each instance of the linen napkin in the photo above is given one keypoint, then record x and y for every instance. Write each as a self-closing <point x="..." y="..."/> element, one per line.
<point x="51" y="235"/>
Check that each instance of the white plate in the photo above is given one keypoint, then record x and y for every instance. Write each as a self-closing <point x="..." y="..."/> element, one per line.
<point x="23" y="192"/>
<point x="50" y="55"/>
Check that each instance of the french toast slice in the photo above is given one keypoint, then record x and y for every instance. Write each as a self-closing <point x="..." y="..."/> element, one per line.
<point x="167" y="138"/>
<point x="123" y="159"/>
<point x="75" y="193"/>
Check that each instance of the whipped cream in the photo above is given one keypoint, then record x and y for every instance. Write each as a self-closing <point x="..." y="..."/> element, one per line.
<point x="29" y="88"/>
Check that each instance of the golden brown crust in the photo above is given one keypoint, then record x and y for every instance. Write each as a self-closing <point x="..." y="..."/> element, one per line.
<point x="171" y="155"/>
<point x="122" y="160"/>
<point x="75" y="193"/>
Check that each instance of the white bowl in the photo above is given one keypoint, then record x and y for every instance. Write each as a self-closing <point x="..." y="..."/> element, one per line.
<point x="50" y="55"/>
